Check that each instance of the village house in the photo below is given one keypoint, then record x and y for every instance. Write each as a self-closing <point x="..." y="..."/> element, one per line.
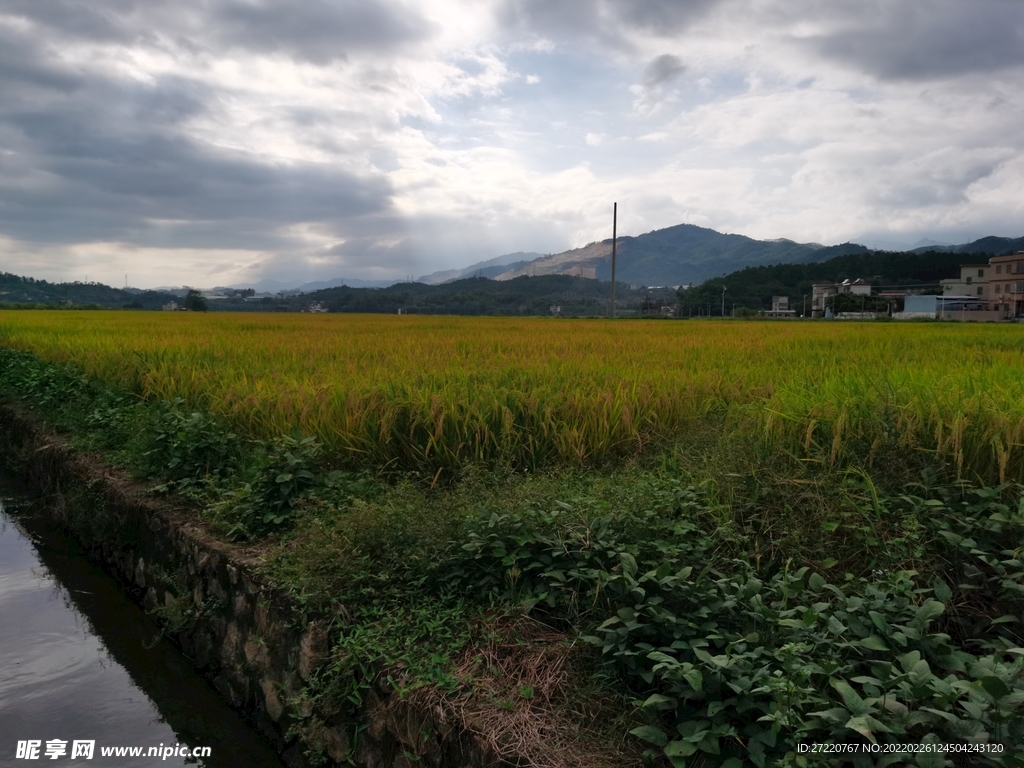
<point x="780" y="307"/>
<point x="1006" y="290"/>
<point x="821" y="293"/>
<point x="983" y="292"/>
<point x="973" y="281"/>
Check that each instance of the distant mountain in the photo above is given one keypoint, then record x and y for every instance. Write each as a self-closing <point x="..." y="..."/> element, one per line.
<point x="678" y="255"/>
<point x="291" y="287"/>
<point x="269" y="285"/>
<point x="996" y="246"/>
<point x="927" y="243"/>
<point x="490" y="268"/>
<point x="351" y="282"/>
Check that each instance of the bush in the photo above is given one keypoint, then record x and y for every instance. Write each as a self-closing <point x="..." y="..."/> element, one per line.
<point x="736" y="666"/>
<point x="189" y="448"/>
<point x="286" y="472"/>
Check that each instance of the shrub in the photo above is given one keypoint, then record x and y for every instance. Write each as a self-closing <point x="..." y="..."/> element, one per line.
<point x="736" y="666"/>
<point x="189" y="448"/>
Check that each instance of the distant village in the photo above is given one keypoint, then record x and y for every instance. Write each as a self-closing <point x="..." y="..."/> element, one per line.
<point x="984" y="292"/>
<point x="243" y="294"/>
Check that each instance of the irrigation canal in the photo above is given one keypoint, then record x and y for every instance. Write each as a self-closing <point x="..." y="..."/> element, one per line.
<point x="79" y="661"/>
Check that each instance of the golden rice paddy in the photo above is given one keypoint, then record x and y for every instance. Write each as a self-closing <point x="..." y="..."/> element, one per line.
<point x="414" y="391"/>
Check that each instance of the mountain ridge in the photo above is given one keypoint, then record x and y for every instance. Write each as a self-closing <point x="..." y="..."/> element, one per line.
<point x="996" y="246"/>
<point x="679" y="255"/>
<point x="686" y="254"/>
<point x="489" y="268"/>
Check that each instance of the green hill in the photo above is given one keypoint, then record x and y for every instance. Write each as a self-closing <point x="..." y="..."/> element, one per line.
<point x="992" y="246"/>
<point x="678" y="255"/>
<point x="16" y="290"/>
<point x="480" y="296"/>
<point x="685" y="254"/>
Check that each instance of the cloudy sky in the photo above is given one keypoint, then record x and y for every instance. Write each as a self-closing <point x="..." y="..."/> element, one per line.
<point x="209" y="142"/>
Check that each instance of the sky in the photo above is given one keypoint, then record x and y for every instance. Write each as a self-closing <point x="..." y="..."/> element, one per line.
<point x="216" y="142"/>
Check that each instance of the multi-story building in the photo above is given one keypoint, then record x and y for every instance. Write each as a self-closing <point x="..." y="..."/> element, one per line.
<point x="780" y="307"/>
<point x="1006" y="287"/>
<point x="821" y="293"/>
<point x="973" y="281"/>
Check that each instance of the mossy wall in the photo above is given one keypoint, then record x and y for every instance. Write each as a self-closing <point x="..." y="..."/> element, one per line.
<point x="250" y="641"/>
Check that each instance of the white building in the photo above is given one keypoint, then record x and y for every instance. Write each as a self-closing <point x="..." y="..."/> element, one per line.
<point x="973" y="282"/>
<point x="780" y="307"/>
<point x="821" y="293"/>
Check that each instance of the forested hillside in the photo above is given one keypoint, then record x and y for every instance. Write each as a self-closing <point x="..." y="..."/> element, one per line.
<point x="481" y="296"/>
<point x="754" y="287"/>
<point x="26" y="290"/>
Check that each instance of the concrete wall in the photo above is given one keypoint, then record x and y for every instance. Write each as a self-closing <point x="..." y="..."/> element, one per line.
<point x="971" y="316"/>
<point x="976" y="316"/>
<point x="858" y="315"/>
<point x="917" y="305"/>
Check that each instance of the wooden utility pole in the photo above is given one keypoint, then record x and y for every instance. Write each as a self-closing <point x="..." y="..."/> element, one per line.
<point x="615" y="221"/>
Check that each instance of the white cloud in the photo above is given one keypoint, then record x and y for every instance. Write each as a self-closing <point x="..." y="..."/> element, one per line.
<point x="417" y="143"/>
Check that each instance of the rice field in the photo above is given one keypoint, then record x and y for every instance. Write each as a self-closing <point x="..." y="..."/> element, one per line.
<point x="439" y="392"/>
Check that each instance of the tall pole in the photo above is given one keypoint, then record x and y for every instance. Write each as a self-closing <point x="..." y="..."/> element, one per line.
<point x="723" y="301"/>
<point x="615" y="222"/>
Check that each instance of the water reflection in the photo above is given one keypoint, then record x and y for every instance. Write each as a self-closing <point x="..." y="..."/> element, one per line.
<point x="78" y="662"/>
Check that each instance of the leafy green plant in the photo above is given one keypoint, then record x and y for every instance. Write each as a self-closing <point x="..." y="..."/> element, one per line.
<point x="49" y="386"/>
<point x="736" y="666"/>
<point x="189" y="448"/>
<point x="287" y="471"/>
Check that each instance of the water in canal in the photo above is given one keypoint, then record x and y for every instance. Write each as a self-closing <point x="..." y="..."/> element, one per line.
<point x="78" y="662"/>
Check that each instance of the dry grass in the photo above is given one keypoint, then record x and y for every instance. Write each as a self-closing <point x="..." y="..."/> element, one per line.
<point x="525" y="694"/>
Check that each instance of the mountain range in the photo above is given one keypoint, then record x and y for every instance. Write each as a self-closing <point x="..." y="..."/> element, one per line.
<point x="995" y="246"/>
<point x="686" y="254"/>
<point x="680" y="255"/>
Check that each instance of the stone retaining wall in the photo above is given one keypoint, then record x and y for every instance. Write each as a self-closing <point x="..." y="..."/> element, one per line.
<point x="255" y="646"/>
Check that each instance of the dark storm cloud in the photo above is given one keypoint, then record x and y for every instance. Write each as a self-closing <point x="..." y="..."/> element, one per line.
<point x="87" y="156"/>
<point x="924" y="40"/>
<point x="24" y="71"/>
<point x="663" y="69"/>
<point x="603" y="20"/>
<point x="661" y="17"/>
<point x="96" y="20"/>
<point x="317" y="31"/>
<point x="106" y="158"/>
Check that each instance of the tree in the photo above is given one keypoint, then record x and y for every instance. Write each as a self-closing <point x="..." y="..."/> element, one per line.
<point x="195" y="301"/>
